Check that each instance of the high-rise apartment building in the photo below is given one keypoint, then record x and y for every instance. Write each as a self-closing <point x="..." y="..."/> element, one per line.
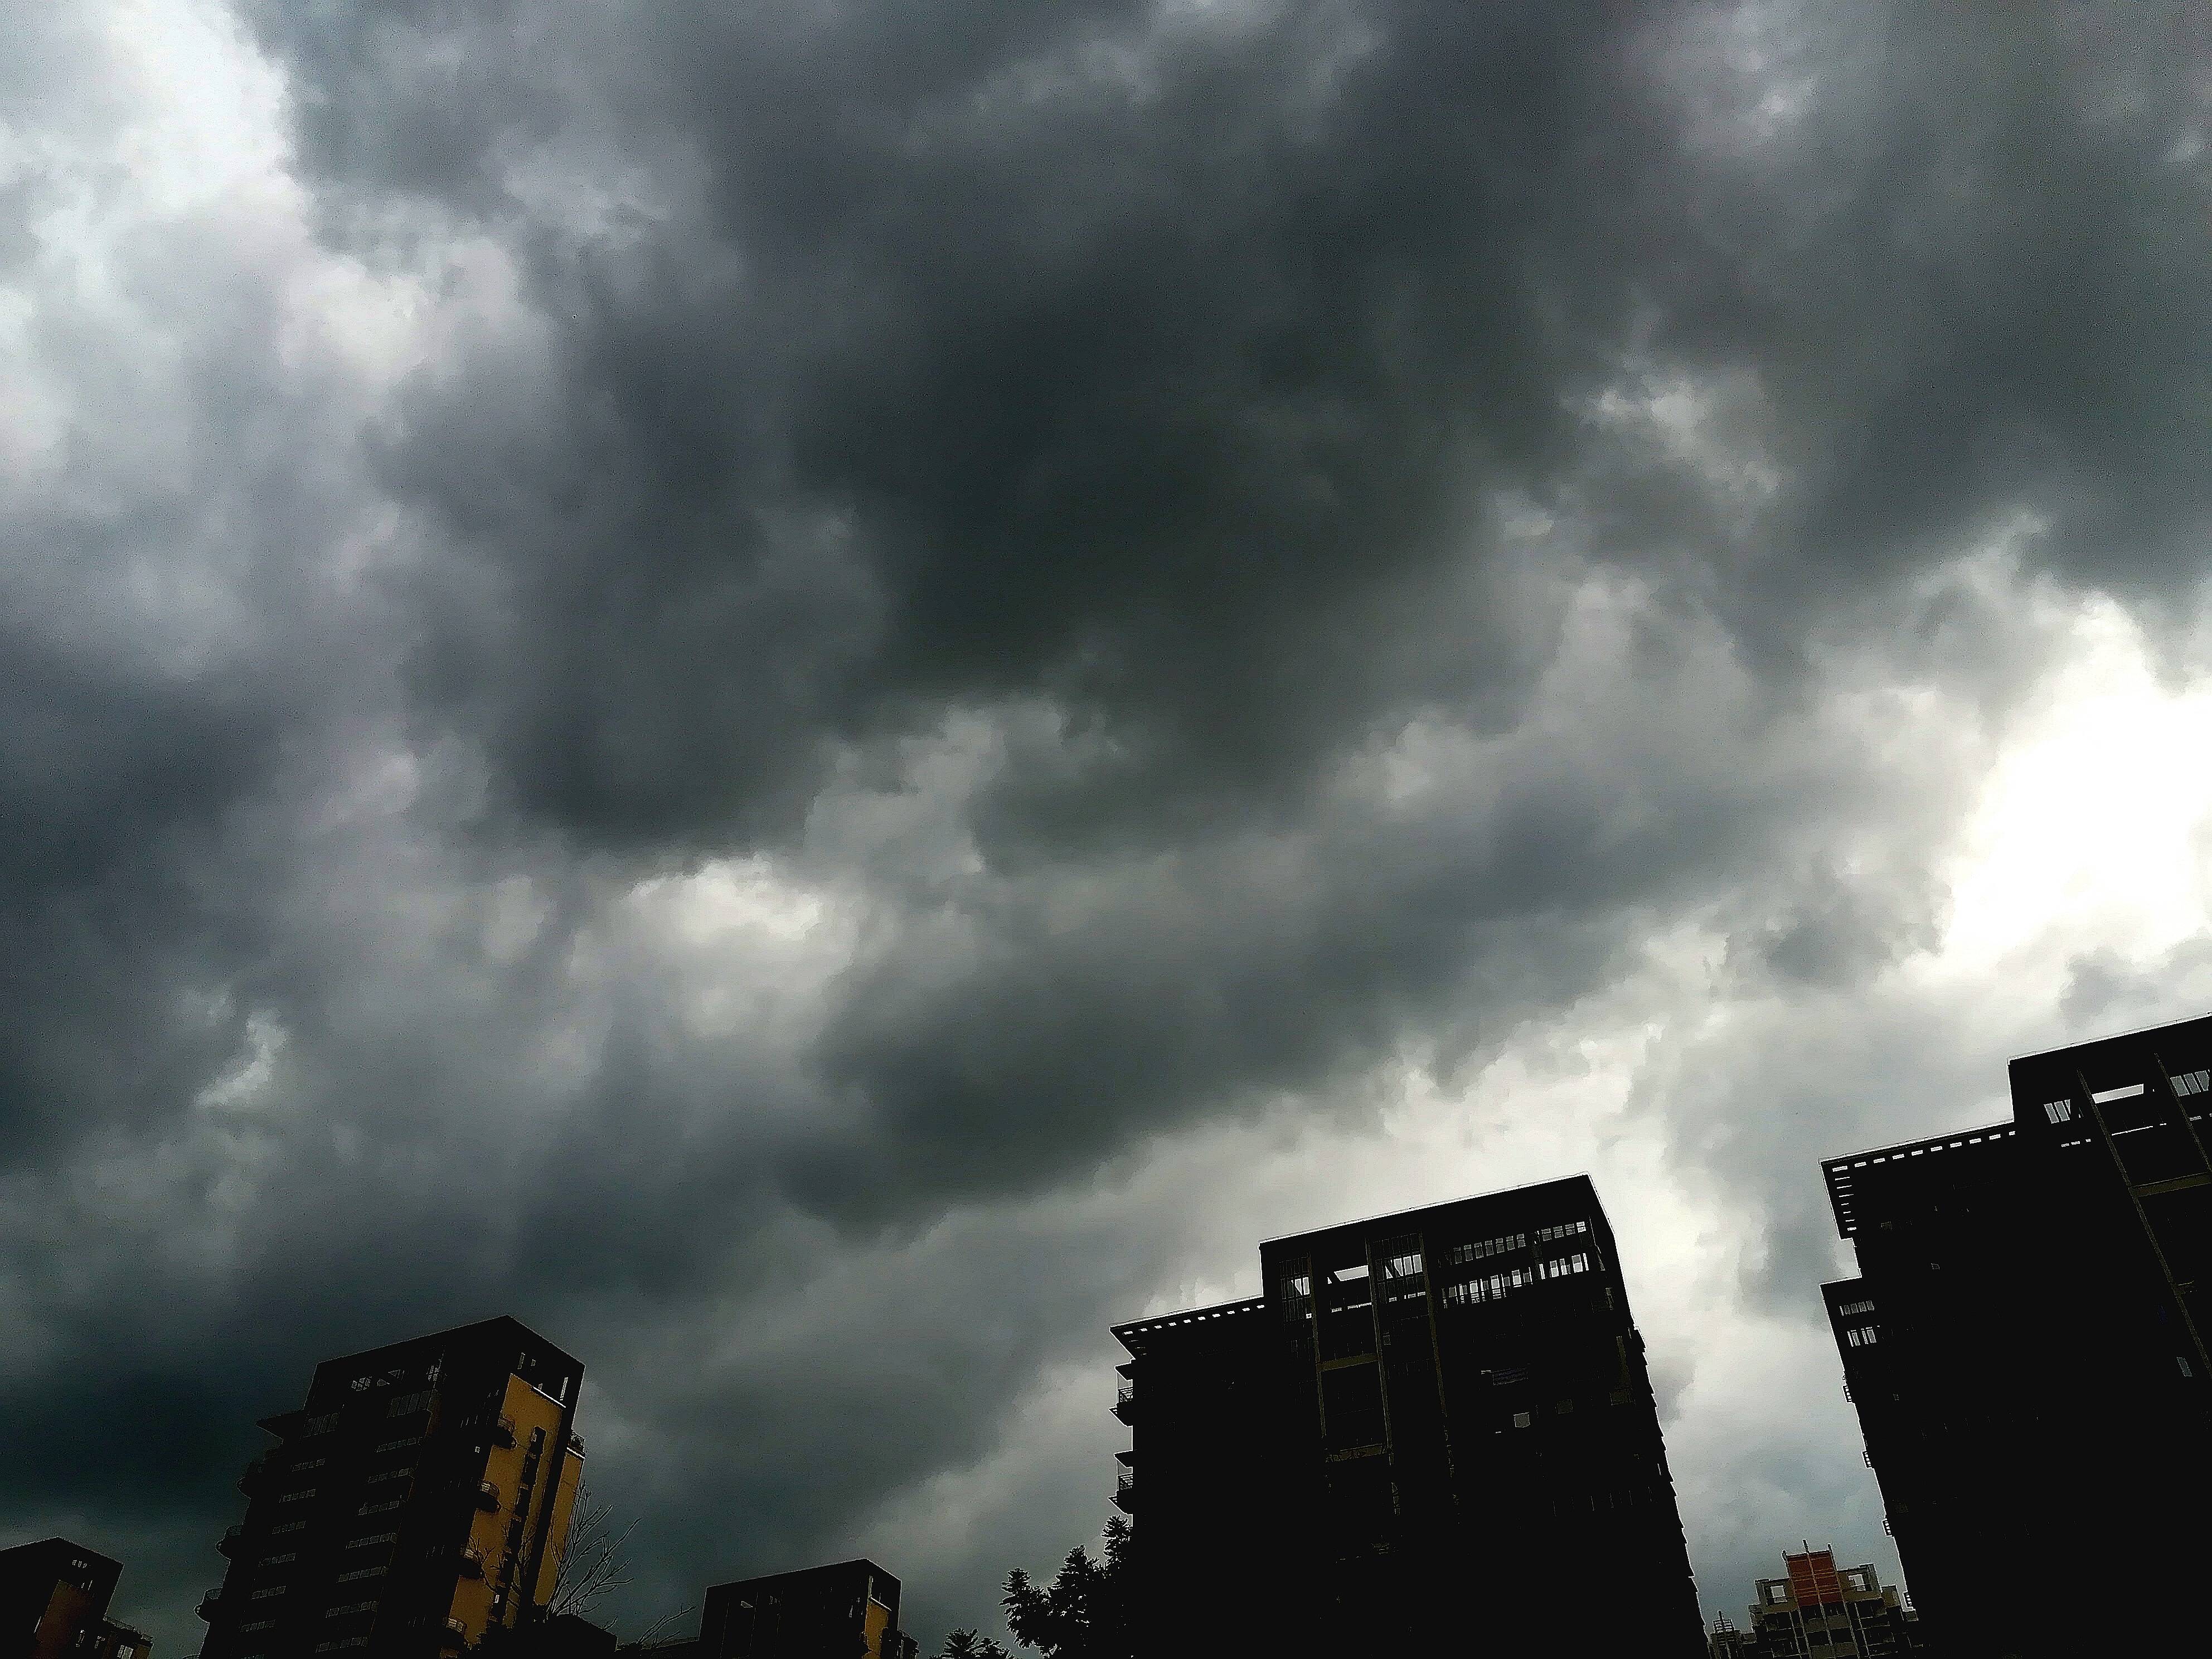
<point x="847" y="1610"/>
<point x="418" y="1500"/>
<point x="2025" y="1346"/>
<point x="1435" y="1427"/>
<point x="53" y="1605"/>
<point x="1817" y="1610"/>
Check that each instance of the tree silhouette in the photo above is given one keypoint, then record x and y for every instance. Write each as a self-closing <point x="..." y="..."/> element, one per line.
<point x="1083" y="1614"/>
<point x="594" y="1564"/>
<point x="966" y="1644"/>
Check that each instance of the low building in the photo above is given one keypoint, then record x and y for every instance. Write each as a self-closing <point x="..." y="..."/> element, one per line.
<point x="847" y="1610"/>
<point x="54" y="1597"/>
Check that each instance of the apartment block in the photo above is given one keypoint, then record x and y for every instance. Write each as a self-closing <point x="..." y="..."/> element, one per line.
<point x="54" y="1597"/>
<point x="1433" y="1428"/>
<point x="845" y="1610"/>
<point x="417" y="1501"/>
<point x="2025" y="1346"/>
<point x="1817" y="1610"/>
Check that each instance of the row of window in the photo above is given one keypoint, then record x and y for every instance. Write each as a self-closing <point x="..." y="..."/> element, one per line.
<point x="1491" y="1287"/>
<point x="1461" y="1254"/>
<point x="1851" y="1310"/>
<point x="1860" y="1336"/>
<point x="1564" y="1229"/>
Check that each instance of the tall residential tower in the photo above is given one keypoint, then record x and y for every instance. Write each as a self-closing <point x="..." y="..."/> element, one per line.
<point x="1435" y="1427"/>
<point x="2025" y="1343"/>
<point x="420" y="1498"/>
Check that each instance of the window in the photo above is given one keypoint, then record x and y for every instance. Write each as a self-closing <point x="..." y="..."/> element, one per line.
<point x="2182" y="1360"/>
<point x="1560" y="1266"/>
<point x="309" y="1463"/>
<point x="1463" y="1254"/>
<point x="286" y="1526"/>
<point x="409" y="1402"/>
<point x="373" y="1538"/>
<point x="359" y="1573"/>
<point x="1849" y="1309"/>
<point x="295" y="1496"/>
<point x="279" y="1560"/>
<point x="258" y="1624"/>
<point x="2193" y="1083"/>
<point x="2058" y="1111"/>
<point x="378" y="1508"/>
<point x="1860" y="1336"/>
<point x="264" y="1594"/>
<point x="404" y="1440"/>
<point x="400" y="1474"/>
<point x="350" y="1607"/>
<point x="1522" y="1419"/>
<point x="1564" y="1229"/>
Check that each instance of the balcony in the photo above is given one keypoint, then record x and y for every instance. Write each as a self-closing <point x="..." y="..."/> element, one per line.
<point x="210" y="1605"/>
<point x="487" y="1497"/>
<point x="1125" y="1491"/>
<point x="233" y="1538"/>
<point x="250" y="1478"/>
<point x="471" y="1561"/>
<point x="502" y="1432"/>
<point x="1125" y="1401"/>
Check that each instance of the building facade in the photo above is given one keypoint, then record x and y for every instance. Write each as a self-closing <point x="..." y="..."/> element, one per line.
<point x="1437" y="1425"/>
<point x="418" y="1500"/>
<point x="54" y="1597"/>
<point x="845" y="1610"/>
<point x="1817" y="1610"/>
<point x="2024" y="1345"/>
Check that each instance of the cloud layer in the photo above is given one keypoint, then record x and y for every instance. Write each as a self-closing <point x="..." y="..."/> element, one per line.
<point x="824" y="695"/>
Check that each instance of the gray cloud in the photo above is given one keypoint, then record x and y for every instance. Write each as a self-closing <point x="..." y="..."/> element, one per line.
<point x="718" y="680"/>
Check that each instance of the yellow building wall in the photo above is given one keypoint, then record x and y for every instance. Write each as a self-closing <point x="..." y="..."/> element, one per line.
<point x="526" y="1409"/>
<point x="564" y="1517"/>
<point x="876" y="1621"/>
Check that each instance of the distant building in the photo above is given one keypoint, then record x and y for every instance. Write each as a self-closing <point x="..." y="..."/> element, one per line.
<point x="849" y="1610"/>
<point x="1817" y="1610"/>
<point x="2025" y="1344"/>
<point x="419" y="1499"/>
<point x="1435" y="1429"/>
<point x="54" y="1597"/>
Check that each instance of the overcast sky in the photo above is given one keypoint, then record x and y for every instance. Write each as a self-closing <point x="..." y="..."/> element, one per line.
<point x="822" y="693"/>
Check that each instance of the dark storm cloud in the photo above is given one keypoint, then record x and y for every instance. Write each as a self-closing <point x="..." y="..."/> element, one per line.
<point x="1219" y="546"/>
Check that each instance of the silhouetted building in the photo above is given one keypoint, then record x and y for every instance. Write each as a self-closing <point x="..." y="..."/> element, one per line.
<point x="849" y="1610"/>
<point x="420" y="1498"/>
<point x="54" y="1596"/>
<point x="1816" y="1610"/>
<point x="1437" y="1426"/>
<point x="1725" y="1641"/>
<point x="2024" y="1345"/>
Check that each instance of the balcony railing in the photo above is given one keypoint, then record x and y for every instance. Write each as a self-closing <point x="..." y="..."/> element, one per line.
<point x="1125" y="1491"/>
<point x="503" y="1431"/>
<point x="232" y="1538"/>
<point x="486" y="1497"/>
<point x="251" y="1477"/>
<point x="1125" y="1401"/>
<point x="210" y="1604"/>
